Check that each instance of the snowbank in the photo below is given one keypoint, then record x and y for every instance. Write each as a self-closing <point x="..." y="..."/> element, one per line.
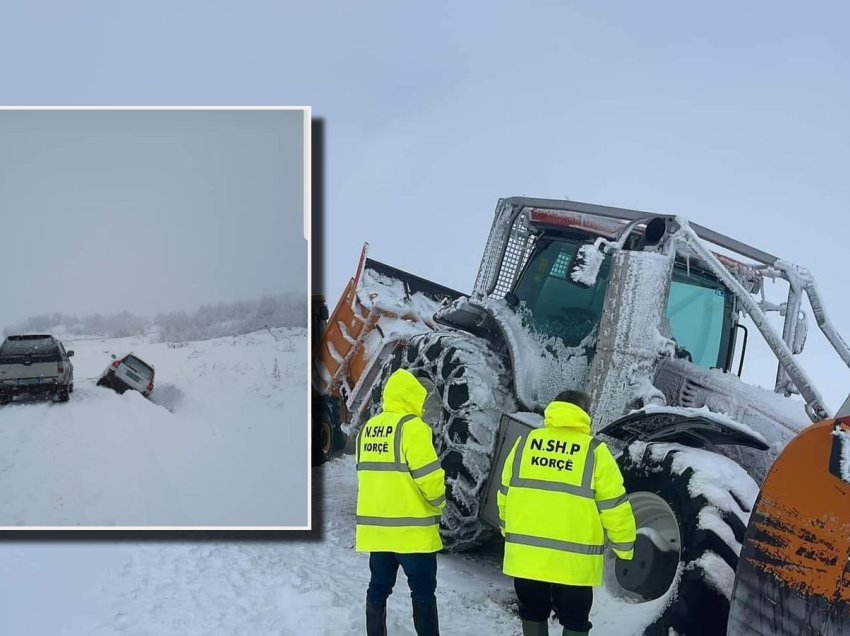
<point x="299" y="585"/>
<point x="223" y="442"/>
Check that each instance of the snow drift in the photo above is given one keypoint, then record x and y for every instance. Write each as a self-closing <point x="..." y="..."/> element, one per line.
<point x="223" y="442"/>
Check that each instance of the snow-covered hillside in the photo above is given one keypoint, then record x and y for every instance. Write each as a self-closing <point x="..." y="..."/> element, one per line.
<point x="307" y="584"/>
<point x="223" y="442"/>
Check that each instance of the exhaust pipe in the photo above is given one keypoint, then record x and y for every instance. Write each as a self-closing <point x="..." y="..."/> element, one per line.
<point x="656" y="230"/>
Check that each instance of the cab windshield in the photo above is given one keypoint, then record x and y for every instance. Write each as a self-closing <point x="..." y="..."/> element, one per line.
<point x="699" y="309"/>
<point x="700" y="313"/>
<point x="557" y="306"/>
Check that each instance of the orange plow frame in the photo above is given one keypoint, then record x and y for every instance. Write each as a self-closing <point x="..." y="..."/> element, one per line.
<point x="342" y="360"/>
<point x="793" y="576"/>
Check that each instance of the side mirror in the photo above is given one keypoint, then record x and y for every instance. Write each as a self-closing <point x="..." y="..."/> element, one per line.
<point x="112" y="356"/>
<point x="585" y="264"/>
<point x="70" y="353"/>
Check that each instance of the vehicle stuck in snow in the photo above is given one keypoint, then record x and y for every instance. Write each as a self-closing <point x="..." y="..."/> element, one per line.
<point x="129" y="372"/>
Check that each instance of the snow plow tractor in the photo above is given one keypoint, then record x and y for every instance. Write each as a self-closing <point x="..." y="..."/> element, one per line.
<point x="634" y="309"/>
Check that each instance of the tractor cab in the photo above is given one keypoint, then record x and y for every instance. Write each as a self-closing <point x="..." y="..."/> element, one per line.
<point x="701" y="312"/>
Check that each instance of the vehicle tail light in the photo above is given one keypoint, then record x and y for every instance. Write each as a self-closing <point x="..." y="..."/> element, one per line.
<point x="116" y="364"/>
<point x="150" y="386"/>
<point x="61" y="369"/>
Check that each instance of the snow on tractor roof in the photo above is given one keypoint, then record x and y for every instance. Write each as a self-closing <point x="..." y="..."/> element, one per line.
<point x="609" y="228"/>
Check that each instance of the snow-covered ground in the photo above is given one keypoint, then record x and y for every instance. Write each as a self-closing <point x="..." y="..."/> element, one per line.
<point x="309" y="584"/>
<point x="223" y="442"/>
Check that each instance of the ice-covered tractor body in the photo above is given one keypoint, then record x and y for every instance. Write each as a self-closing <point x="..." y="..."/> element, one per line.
<point x="634" y="309"/>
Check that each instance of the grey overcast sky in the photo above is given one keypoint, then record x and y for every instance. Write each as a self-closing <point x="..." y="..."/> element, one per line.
<point x="732" y="114"/>
<point x="148" y="211"/>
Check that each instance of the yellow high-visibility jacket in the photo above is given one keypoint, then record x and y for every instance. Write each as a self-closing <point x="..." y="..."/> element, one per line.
<point x="401" y="485"/>
<point x="560" y="488"/>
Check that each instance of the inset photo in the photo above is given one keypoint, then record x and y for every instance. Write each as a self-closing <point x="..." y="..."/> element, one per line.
<point x="155" y="345"/>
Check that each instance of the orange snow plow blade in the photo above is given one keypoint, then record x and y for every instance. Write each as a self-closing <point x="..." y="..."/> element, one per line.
<point x="360" y="331"/>
<point x="339" y="356"/>
<point x="793" y="575"/>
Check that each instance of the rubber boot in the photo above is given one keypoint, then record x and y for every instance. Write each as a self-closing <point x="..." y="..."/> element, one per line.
<point x="535" y="628"/>
<point x="376" y="619"/>
<point x="425" y="618"/>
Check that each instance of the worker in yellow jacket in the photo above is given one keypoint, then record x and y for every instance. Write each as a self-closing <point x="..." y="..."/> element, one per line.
<point x="561" y="488"/>
<point x="401" y="491"/>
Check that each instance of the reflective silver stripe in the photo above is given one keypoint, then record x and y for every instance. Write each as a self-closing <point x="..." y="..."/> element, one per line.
<point x="359" y="435"/>
<point x="383" y="466"/>
<point x="608" y="504"/>
<point x="502" y="524"/>
<point x="589" y="462"/>
<point x="426" y="470"/>
<point x="398" y="430"/>
<point x="554" y="486"/>
<point x="503" y="490"/>
<point x="553" y="544"/>
<point x="398" y="522"/>
<point x="517" y="463"/>
<point x="623" y="547"/>
<point x="436" y="502"/>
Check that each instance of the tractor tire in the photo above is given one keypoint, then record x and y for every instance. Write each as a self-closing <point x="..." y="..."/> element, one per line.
<point x="328" y="437"/>
<point x="708" y="500"/>
<point x="468" y="390"/>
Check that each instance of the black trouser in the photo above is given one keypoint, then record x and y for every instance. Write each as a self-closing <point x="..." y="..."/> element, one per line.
<point x="571" y="602"/>
<point x="421" y="571"/>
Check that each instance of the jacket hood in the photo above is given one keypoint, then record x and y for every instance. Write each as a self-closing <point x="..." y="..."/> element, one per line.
<point x="404" y="394"/>
<point x="567" y="415"/>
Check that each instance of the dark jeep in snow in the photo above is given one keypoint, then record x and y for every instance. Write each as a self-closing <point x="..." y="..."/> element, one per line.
<point x="35" y="365"/>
